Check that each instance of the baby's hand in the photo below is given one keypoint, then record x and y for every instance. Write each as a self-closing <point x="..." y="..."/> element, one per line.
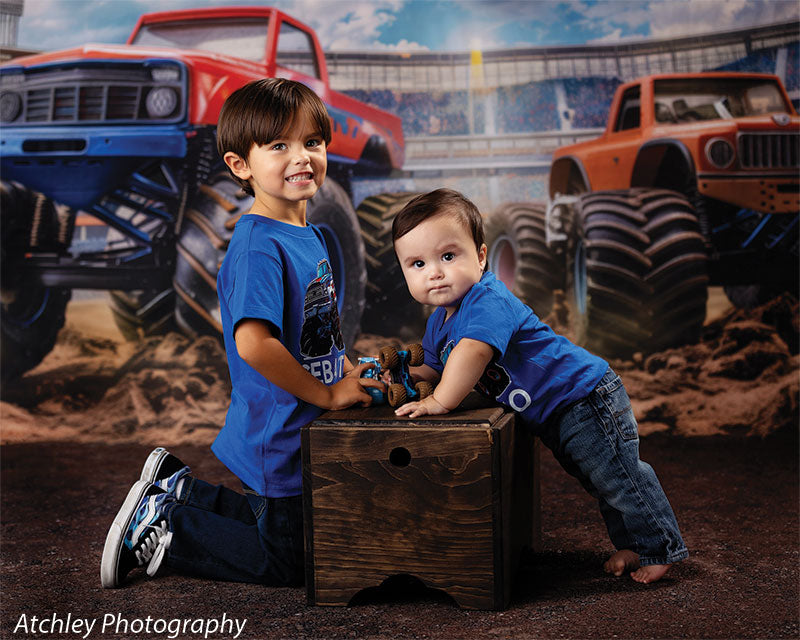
<point x="427" y="407"/>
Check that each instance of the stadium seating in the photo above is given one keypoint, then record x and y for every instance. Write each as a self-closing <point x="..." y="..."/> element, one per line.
<point x="532" y="107"/>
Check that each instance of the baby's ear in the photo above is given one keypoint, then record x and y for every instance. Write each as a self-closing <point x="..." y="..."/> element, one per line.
<point x="237" y="165"/>
<point x="482" y="256"/>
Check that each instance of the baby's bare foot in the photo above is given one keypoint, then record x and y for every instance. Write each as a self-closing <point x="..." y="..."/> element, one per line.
<point x="622" y="561"/>
<point x="650" y="573"/>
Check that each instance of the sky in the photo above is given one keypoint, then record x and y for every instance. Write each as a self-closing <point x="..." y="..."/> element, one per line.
<point x="424" y="25"/>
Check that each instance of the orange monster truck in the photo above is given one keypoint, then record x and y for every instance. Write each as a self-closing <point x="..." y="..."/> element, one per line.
<point x="693" y="183"/>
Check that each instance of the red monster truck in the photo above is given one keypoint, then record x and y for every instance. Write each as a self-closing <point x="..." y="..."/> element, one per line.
<point x="693" y="183"/>
<point x="124" y="136"/>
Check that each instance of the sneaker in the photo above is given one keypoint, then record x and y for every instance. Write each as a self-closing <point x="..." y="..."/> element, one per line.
<point x="165" y="470"/>
<point x="138" y="537"/>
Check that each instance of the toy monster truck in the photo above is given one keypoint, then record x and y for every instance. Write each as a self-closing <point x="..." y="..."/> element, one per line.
<point x="401" y="389"/>
<point x="694" y="182"/>
<point x="124" y="136"/>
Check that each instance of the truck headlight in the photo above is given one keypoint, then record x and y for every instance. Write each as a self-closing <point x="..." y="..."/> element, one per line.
<point x="719" y="153"/>
<point x="10" y="106"/>
<point x="161" y="102"/>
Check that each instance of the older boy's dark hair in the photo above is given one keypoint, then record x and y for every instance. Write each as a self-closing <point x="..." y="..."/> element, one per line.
<point x="262" y="111"/>
<point x="431" y="204"/>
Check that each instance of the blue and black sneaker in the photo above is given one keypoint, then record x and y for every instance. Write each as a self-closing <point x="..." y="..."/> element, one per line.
<point x="139" y="536"/>
<point x="165" y="470"/>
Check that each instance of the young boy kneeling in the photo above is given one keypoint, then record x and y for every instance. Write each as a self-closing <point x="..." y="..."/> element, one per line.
<point x="481" y="336"/>
<point x="280" y="323"/>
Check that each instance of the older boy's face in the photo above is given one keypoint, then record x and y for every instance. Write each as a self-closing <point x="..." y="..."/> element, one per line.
<point x="439" y="261"/>
<point x="289" y="169"/>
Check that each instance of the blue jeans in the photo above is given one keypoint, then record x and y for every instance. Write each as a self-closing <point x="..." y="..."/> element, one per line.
<point x="597" y="441"/>
<point x="221" y="534"/>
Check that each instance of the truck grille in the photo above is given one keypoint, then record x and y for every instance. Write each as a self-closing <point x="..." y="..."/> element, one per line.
<point x="83" y="104"/>
<point x="88" y="93"/>
<point x="769" y="150"/>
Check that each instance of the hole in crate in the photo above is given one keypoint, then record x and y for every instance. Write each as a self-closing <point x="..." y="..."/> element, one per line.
<point x="399" y="457"/>
<point x="401" y="588"/>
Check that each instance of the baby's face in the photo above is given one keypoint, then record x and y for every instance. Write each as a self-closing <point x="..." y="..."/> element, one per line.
<point x="440" y="262"/>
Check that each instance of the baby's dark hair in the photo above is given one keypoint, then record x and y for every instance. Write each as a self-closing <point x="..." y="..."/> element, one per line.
<point x="262" y="111"/>
<point x="431" y="204"/>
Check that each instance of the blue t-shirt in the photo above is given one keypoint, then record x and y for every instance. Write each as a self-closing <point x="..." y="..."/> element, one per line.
<point x="534" y="370"/>
<point x="281" y="274"/>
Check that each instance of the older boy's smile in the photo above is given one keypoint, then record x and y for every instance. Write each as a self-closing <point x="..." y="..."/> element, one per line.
<point x="301" y="177"/>
<point x="440" y="261"/>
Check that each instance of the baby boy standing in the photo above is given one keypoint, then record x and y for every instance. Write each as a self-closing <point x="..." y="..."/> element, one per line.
<point x="481" y="336"/>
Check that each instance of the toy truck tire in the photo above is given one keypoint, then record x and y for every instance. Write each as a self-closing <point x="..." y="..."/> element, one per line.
<point x="416" y="354"/>
<point x="636" y="276"/>
<point x="424" y="389"/>
<point x="31" y="314"/>
<point x="389" y="358"/>
<point x="518" y="254"/>
<point x="389" y="310"/>
<point x="397" y="395"/>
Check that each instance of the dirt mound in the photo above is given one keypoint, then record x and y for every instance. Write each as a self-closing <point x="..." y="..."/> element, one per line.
<point x="171" y="390"/>
<point x="741" y="379"/>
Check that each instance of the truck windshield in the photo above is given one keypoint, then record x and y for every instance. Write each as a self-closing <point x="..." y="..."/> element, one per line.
<point x="686" y="100"/>
<point x="241" y="37"/>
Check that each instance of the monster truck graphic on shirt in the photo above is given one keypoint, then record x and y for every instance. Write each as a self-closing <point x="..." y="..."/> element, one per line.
<point x="495" y="378"/>
<point x="321" y="326"/>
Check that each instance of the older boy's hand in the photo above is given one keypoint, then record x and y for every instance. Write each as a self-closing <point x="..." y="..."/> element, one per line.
<point x="350" y="389"/>
<point x="427" y="407"/>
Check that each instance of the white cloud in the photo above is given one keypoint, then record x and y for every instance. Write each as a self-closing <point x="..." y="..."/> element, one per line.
<point x="346" y="25"/>
<point x="676" y="18"/>
<point x="359" y="24"/>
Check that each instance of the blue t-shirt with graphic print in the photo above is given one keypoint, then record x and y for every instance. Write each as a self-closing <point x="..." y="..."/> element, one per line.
<point x="278" y="273"/>
<point x="534" y="370"/>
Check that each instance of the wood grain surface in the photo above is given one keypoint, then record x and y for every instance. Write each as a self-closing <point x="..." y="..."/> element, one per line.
<point x="445" y="500"/>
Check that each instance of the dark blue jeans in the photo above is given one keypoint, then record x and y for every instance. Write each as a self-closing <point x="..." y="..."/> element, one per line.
<point x="221" y="534"/>
<point x="597" y="441"/>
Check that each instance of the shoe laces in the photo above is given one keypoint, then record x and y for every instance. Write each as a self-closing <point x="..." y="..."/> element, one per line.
<point x="152" y="547"/>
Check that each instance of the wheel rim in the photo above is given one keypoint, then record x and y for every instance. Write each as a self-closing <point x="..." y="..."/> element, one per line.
<point x="336" y="255"/>
<point x="25" y="312"/>
<point x="579" y="277"/>
<point x="503" y="260"/>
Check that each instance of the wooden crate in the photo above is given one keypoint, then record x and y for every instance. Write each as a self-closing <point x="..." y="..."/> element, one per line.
<point x="451" y="500"/>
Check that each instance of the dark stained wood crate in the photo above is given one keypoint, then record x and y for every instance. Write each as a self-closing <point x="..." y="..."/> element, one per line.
<point x="451" y="500"/>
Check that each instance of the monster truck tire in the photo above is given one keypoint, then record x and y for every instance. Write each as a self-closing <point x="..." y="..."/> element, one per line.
<point x="31" y="315"/>
<point x="424" y="389"/>
<point x="636" y="278"/>
<point x="518" y="254"/>
<point x="416" y="354"/>
<point x="779" y="244"/>
<point x="331" y="210"/>
<point x="397" y="395"/>
<point x="749" y="296"/>
<point x="207" y="230"/>
<point x="389" y="309"/>
<point x="142" y="313"/>
<point x="29" y="324"/>
<point x="389" y="358"/>
<point x="205" y="233"/>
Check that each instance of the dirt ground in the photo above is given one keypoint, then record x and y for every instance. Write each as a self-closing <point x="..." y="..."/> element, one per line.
<point x="719" y="422"/>
<point x="735" y="497"/>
